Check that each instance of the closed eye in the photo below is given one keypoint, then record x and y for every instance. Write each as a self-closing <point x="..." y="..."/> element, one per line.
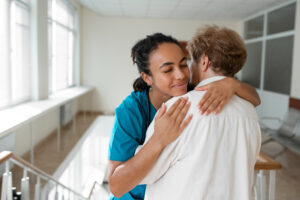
<point x="169" y="70"/>
<point x="185" y="65"/>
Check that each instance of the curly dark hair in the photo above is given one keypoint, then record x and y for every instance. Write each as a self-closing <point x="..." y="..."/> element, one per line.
<point x="141" y="51"/>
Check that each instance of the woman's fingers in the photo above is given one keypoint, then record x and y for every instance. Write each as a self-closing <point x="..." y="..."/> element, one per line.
<point x="161" y="111"/>
<point x="185" y="123"/>
<point x="174" y="106"/>
<point x="181" y="115"/>
<point x="204" y="99"/>
<point x="208" y="103"/>
<point x="213" y="106"/>
<point x="221" y="106"/>
<point x="202" y="88"/>
<point x="179" y="108"/>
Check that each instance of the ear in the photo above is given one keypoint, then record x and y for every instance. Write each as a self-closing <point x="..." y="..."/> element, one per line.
<point x="147" y="78"/>
<point x="204" y="62"/>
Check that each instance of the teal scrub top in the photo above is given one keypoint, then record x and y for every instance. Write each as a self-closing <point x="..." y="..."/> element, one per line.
<point x="128" y="133"/>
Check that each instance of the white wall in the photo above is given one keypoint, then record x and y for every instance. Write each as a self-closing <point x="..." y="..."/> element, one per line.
<point x="105" y="51"/>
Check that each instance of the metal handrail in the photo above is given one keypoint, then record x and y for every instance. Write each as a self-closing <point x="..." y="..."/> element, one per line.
<point x="264" y="163"/>
<point x="92" y="190"/>
<point x="7" y="155"/>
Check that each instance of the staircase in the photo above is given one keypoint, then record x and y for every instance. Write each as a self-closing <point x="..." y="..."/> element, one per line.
<point x="31" y="173"/>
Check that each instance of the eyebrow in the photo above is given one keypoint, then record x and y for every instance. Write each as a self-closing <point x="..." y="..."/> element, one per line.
<point x="171" y="63"/>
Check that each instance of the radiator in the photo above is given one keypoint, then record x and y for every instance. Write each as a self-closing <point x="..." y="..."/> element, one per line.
<point x="66" y="113"/>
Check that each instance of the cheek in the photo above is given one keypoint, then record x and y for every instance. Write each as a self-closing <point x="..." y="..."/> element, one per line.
<point x="187" y="72"/>
<point x="163" y="83"/>
<point x="164" y="80"/>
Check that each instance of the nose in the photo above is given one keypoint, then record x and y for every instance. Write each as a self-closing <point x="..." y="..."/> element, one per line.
<point x="179" y="73"/>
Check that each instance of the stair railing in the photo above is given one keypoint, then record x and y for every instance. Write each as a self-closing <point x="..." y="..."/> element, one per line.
<point x="8" y="157"/>
<point x="93" y="189"/>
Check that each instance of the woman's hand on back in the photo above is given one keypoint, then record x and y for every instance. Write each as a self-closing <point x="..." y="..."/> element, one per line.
<point x="169" y="125"/>
<point x="217" y="95"/>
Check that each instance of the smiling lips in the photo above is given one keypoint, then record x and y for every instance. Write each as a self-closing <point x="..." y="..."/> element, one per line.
<point x="180" y="85"/>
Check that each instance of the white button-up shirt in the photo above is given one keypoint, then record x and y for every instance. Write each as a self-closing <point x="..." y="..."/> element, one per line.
<point x="213" y="158"/>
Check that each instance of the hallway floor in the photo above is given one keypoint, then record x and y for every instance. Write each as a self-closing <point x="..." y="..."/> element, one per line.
<point x="46" y="156"/>
<point x="287" y="179"/>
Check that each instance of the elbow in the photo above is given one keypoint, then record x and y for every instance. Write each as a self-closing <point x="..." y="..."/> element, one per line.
<point x="116" y="194"/>
<point x="257" y="102"/>
<point x="115" y="190"/>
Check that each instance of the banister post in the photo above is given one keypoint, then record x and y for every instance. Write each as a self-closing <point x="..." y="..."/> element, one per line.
<point x="56" y="192"/>
<point x="25" y="186"/>
<point x="6" y="193"/>
<point x="37" y="189"/>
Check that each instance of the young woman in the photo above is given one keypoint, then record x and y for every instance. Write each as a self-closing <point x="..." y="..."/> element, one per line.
<point x="164" y="74"/>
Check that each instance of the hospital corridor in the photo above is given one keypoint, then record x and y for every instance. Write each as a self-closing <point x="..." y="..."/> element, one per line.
<point x="96" y="99"/>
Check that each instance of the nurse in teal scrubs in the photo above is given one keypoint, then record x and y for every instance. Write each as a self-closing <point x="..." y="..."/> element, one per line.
<point x="164" y="74"/>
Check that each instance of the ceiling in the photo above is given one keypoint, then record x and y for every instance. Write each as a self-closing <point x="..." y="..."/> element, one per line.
<point x="180" y="9"/>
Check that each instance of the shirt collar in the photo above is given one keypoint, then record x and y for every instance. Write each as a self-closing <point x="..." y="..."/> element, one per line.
<point x="210" y="80"/>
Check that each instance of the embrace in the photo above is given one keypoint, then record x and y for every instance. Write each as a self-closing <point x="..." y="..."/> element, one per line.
<point x="184" y="137"/>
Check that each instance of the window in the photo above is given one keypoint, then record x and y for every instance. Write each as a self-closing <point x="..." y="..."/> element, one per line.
<point x="282" y="19"/>
<point x="61" y="45"/>
<point x="14" y="52"/>
<point x="252" y="68"/>
<point x="269" y="40"/>
<point x="254" y="28"/>
<point x="278" y="65"/>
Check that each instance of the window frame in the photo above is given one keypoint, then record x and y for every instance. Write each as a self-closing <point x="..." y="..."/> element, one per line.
<point x="265" y="37"/>
<point x="74" y="31"/>
<point x="9" y="47"/>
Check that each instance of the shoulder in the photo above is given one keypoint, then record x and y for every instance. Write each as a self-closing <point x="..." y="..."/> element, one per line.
<point x="243" y="107"/>
<point x="131" y="114"/>
<point x="132" y="103"/>
<point x="193" y="96"/>
<point x="129" y="127"/>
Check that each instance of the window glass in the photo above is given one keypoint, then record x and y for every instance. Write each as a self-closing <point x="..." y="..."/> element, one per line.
<point x="20" y="54"/>
<point x="14" y="52"/>
<point x="61" y="45"/>
<point x="60" y="58"/>
<point x="254" y="27"/>
<point x="4" y="58"/>
<point x="252" y="69"/>
<point x="278" y="67"/>
<point x="282" y="19"/>
<point x="60" y="12"/>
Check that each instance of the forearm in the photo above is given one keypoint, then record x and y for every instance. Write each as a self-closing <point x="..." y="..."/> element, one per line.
<point x="130" y="173"/>
<point x="246" y="92"/>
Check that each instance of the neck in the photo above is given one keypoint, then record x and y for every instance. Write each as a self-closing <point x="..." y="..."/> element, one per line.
<point x="208" y="74"/>
<point x="157" y="99"/>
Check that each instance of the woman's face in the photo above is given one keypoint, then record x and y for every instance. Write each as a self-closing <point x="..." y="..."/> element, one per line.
<point x="169" y="69"/>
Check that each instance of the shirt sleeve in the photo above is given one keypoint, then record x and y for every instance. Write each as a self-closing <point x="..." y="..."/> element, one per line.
<point x="126" y="134"/>
<point x="166" y="159"/>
